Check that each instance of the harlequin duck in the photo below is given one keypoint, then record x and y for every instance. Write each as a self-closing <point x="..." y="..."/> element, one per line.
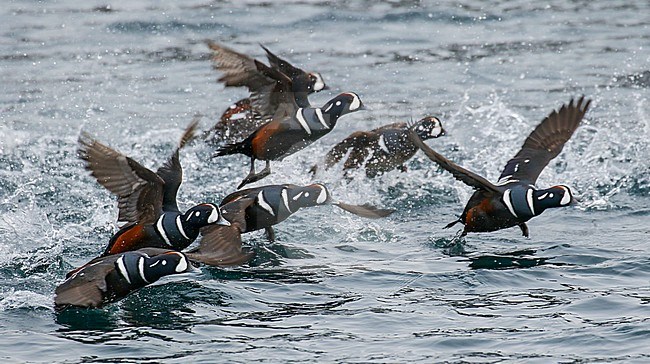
<point x="147" y="200"/>
<point x="108" y="279"/>
<point x="241" y="119"/>
<point x="383" y="149"/>
<point x="292" y="127"/>
<point x="273" y="204"/>
<point x="514" y="199"/>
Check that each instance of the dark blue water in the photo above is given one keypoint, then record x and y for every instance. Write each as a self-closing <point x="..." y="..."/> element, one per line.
<point x="334" y="287"/>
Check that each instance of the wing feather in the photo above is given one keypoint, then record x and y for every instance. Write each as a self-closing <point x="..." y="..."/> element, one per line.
<point x="545" y="142"/>
<point x="358" y="143"/>
<point x="171" y="172"/>
<point x="139" y="190"/>
<point x="468" y="177"/>
<point x="222" y="245"/>
<point x="86" y="286"/>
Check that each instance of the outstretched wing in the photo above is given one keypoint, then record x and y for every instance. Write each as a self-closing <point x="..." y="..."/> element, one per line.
<point x="139" y="191"/>
<point x="222" y="245"/>
<point x="468" y="177"/>
<point x="239" y="194"/>
<point x="358" y="143"/>
<point x="282" y="65"/>
<point x="545" y="142"/>
<point x="278" y="95"/>
<point x="85" y="286"/>
<point x="171" y="171"/>
<point x="268" y="85"/>
<point x="238" y="69"/>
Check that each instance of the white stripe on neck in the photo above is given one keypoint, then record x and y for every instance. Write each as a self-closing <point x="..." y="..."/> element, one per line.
<point x="263" y="204"/>
<point x="122" y="268"/>
<point x="141" y="269"/>
<point x="319" y="115"/>
<point x="529" y="200"/>
<point x="285" y="199"/>
<point x="161" y="230"/>
<point x="179" y="225"/>
<point x="508" y="202"/>
<point x="302" y="121"/>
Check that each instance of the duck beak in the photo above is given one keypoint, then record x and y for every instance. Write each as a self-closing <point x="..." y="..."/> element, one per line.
<point x="326" y="87"/>
<point x="363" y="107"/>
<point x="443" y="132"/>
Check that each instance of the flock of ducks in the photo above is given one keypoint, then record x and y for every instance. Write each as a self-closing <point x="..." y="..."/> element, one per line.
<point x="276" y="121"/>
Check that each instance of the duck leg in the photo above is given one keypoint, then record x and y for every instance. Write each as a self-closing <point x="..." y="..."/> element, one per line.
<point x="452" y="223"/>
<point x="524" y="229"/>
<point x="254" y="177"/>
<point x="270" y="234"/>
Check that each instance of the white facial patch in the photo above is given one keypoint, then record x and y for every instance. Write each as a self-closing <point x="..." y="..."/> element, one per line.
<point x="296" y="197"/>
<point x="566" y="198"/>
<point x="302" y="121"/>
<point x="319" y="84"/>
<point x="182" y="264"/>
<point x="214" y="215"/>
<point x="356" y="103"/>
<point x="322" y="197"/>
<point x="437" y="130"/>
<point x="544" y="196"/>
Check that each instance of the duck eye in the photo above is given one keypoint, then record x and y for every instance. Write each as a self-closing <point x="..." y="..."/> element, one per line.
<point x="164" y="262"/>
<point x="197" y="214"/>
<point x="550" y="195"/>
<point x="306" y="194"/>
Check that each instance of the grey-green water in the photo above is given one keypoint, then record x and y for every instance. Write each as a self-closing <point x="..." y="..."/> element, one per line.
<point x="335" y="288"/>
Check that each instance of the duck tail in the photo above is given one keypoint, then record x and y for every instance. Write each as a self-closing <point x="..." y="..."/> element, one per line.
<point x="234" y="148"/>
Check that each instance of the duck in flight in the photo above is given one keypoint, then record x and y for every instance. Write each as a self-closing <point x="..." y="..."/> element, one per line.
<point x="514" y="199"/>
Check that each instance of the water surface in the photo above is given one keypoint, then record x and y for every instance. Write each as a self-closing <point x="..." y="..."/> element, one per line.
<point x="334" y="287"/>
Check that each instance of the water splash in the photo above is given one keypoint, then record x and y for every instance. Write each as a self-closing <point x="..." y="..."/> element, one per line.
<point x="13" y="299"/>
